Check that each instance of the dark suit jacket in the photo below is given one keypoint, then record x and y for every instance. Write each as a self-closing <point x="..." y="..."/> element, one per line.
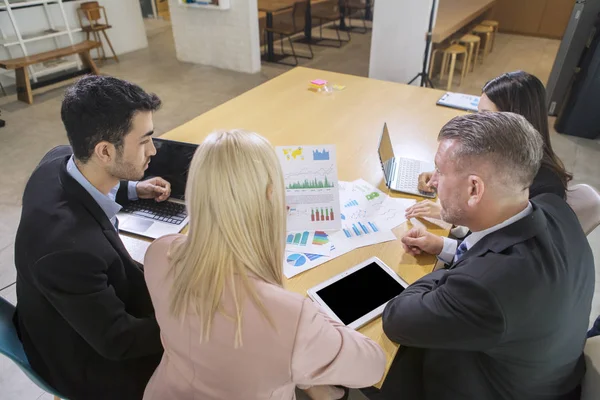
<point x="84" y="313"/>
<point x="507" y="321"/>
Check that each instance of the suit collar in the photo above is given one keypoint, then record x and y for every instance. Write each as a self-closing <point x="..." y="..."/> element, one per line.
<point x="530" y="226"/>
<point x="73" y="187"/>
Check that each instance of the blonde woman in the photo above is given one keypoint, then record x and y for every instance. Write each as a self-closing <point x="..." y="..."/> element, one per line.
<point x="229" y="329"/>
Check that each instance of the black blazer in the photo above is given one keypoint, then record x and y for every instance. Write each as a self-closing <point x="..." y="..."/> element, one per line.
<point x="84" y="314"/>
<point x="507" y="321"/>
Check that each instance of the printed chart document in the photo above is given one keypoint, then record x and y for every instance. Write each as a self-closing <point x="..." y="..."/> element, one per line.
<point x="367" y="217"/>
<point x="311" y="187"/>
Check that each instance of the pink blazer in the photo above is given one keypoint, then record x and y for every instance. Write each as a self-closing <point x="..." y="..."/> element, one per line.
<point x="307" y="347"/>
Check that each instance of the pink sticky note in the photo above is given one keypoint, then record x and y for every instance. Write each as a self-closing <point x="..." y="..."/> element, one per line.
<point x="319" y="82"/>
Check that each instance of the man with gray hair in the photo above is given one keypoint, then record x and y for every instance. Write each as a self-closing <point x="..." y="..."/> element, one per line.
<point x="507" y="317"/>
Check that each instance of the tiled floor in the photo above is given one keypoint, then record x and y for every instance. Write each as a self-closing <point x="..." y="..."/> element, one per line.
<point x="189" y="90"/>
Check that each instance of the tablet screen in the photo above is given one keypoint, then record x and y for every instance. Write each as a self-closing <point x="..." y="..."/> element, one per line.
<point x="359" y="293"/>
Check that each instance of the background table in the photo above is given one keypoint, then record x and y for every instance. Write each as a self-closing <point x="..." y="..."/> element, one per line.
<point x="287" y="113"/>
<point x="453" y="15"/>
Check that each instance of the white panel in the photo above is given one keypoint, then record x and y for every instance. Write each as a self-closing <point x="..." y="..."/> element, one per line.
<point x="221" y="38"/>
<point x="398" y="41"/>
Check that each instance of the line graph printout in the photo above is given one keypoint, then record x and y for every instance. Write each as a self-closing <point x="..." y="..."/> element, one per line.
<point x="311" y="187"/>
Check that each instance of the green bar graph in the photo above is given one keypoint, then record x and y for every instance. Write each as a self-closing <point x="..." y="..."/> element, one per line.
<point x="297" y="238"/>
<point x="311" y="184"/>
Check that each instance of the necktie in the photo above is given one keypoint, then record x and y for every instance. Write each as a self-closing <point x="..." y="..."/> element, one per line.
<point x="462" y="249"/>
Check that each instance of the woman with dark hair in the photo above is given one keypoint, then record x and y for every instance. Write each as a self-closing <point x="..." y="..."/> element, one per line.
<point x="524" y="94"/>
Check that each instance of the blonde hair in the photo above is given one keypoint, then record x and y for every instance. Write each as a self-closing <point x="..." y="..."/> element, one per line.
<point x="236" y="202"/>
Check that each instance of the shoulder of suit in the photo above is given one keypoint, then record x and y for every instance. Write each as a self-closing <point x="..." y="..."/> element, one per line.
<point x="555" y="206"/>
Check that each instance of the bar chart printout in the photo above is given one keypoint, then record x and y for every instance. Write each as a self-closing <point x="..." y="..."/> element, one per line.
<point x="311" y="188"/>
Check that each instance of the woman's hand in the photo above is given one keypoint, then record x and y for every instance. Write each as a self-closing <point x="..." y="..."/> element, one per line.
<point x="425" y="208"/>
<point x="424" y="179"/>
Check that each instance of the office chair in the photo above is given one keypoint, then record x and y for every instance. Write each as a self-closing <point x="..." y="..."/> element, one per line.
<point x="11" y="347"/>
<point x="585" y="201"/>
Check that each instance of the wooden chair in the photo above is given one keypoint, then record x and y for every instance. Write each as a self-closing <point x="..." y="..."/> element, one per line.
<point x="289" y="25"/>
<point x="484" y="32"/>
<point x="326" y="12"/>
<point x="93" y="13"/>
<point x="472" y="43"/>
<point x="450" y="55"/>
<point x="356" y="7"/>
<point x="495" y="25"/>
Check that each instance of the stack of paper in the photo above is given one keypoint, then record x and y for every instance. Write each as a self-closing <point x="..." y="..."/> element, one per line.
<point x="326" y="217"/>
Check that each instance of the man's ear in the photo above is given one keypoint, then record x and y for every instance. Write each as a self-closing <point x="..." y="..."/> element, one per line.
<point x="476" y="190"/>
<point x="105" y="152"/>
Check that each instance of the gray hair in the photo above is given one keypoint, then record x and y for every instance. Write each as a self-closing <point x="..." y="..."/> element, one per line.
<point x="507" y="141"/>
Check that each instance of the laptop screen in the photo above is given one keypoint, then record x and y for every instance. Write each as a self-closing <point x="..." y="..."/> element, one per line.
<point x="386" y="152"/>
<point x="172" y="162"/>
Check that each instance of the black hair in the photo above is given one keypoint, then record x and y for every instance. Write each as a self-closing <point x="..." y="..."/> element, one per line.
<point x="101" y="108"/>
<point x="524" y="94"/>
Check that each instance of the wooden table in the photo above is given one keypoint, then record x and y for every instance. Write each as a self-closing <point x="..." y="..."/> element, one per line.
<point x="453" y="15"/>
<point x="284" y="111"/>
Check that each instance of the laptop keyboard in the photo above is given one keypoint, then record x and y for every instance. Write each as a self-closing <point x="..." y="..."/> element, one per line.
<point x="408" y="173"/>
<point x="166" y="211"/>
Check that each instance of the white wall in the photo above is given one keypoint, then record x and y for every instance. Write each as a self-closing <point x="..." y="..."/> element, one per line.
<point x="127" y="33"/>
<point x="398" y="40"/>
<point x="221" y="38"/>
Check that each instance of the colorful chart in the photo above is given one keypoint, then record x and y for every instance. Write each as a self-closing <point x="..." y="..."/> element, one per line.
<point x="293" y="153"/>
<point x="296" y="260"/>
<point x="320" y="238"/>
<point x="322" y="155"/>
<point x="313" y="257"/>
<point x="360" y="229"/>
<point x="352" y="203"/>
<point x="322" y="214"/>
<point x="304" y="238"/>
<point x="290" y="239"/>
<point x="297" y="238"/>
<point x="311" y="184"/>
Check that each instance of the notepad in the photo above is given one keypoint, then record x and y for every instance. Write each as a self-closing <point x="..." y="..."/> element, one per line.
<point x="459" y="101"/>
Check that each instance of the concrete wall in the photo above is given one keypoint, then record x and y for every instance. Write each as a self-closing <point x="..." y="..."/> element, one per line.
<point x="398" y="41"/>
<point x="221" y="38"/>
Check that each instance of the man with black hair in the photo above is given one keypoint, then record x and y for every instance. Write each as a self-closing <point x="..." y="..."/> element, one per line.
<point x="84" y="314"/>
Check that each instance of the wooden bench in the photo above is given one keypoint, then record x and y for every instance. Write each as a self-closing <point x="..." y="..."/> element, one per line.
<point x="20" y="65"/>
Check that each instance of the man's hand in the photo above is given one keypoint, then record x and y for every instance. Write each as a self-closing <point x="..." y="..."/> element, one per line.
<point x="324" y="392"/>
<point x="424" y="178"/>
<point x="425" y="208"/>
<point x="418" y="240"/>
<point x="154" y="188"/>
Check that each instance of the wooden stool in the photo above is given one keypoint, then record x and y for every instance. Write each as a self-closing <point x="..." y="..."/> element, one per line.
<point x="495" y="25"/>
<point x="484" y="31"/>
<point x="91" y="12"/>
<point x="449" y="55"/>
<point x="473" y="42"/>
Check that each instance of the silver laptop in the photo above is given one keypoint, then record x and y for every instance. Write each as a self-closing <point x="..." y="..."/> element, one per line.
<point x="401" y="174"/>
<point x="149" y="218"/>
